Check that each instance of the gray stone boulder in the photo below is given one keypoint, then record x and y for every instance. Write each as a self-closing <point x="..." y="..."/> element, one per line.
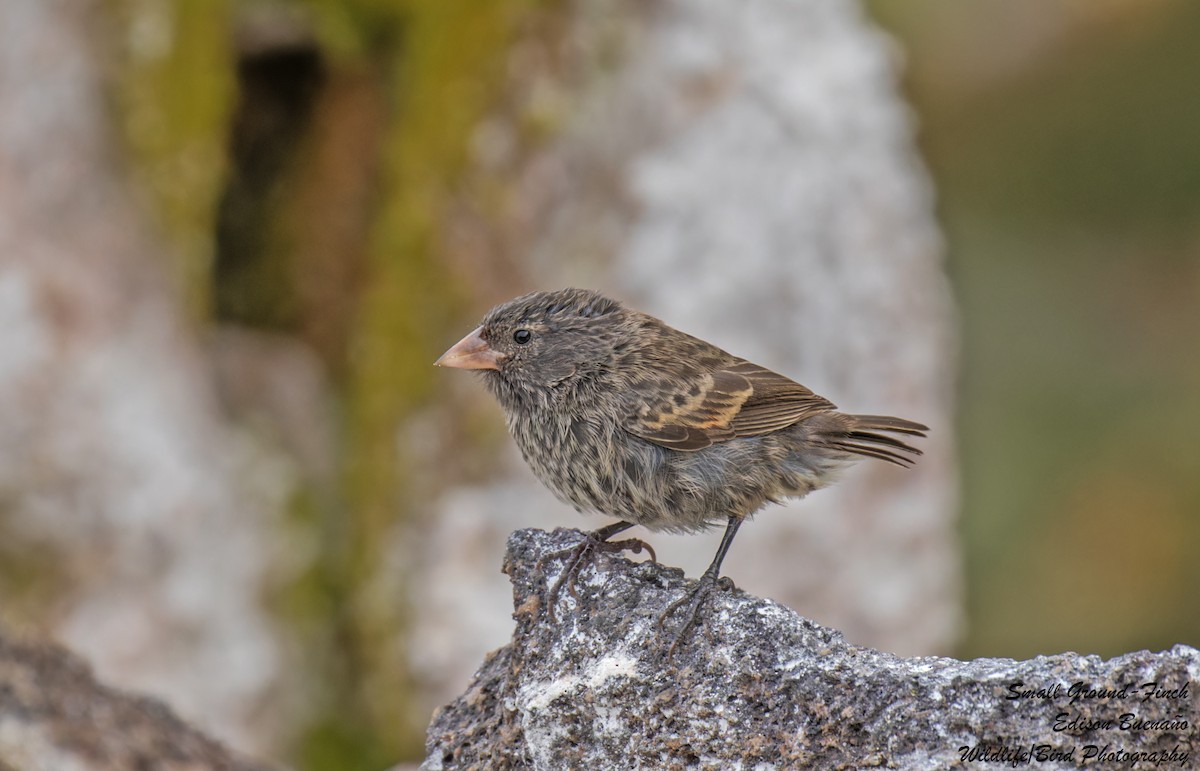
<point x="756" y="686"/>
<point x="55" y="716"/>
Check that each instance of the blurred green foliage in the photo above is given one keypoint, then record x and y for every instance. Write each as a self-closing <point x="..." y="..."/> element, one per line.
<point x="1062" y="140"/>
<point x="442" y="66"/>
<point x="174" y="91"/>
<point x="438" y="66"/>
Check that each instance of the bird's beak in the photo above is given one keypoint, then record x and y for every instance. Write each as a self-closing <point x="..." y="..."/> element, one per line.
<point x="472" y="352"/>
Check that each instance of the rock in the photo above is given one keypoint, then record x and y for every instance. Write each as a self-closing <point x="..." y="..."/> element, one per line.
<point x="54" y="715"/>
<point x="757" y="687"/>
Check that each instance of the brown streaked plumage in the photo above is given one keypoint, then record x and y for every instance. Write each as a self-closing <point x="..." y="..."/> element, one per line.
<point x="620" y="414"/>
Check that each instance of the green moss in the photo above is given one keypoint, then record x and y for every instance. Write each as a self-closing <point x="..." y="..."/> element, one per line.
<point x="337" y="744"/>
<point x="174" y="90"/>
<point x="442" y="65"/>
<point x="33" y="577"/>
<point x="441" y="85"/>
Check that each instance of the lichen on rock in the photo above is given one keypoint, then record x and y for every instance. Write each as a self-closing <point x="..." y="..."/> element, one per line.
<point x="758" y="686"/>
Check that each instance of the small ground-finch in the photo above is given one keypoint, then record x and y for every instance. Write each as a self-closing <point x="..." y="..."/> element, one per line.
<point x="620" y="414"/>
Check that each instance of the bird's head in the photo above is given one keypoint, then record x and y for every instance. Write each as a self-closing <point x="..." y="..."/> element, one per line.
<point x="542" y="341"/>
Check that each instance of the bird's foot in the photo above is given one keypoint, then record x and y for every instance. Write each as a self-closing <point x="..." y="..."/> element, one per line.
<point x="695" y="598"/>
<point x="579" y="555"/>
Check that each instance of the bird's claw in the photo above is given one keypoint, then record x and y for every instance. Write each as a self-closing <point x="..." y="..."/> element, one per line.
<point x="696" y="597"/>
<point x="578" y="558"/>
<point x="632" y="545"/>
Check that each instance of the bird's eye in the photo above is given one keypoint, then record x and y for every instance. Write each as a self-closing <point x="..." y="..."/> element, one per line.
<point x="522" y="336"/>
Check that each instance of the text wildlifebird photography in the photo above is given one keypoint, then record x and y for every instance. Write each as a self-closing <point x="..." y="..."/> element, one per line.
<point x="562" y="384"/>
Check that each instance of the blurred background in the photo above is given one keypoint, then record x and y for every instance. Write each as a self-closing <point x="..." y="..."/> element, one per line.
<point x="1060" y="138"/>
<point x="234" y="236"/>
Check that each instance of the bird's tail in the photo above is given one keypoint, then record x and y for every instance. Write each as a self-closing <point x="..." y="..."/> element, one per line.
<point x="868" y="435"/>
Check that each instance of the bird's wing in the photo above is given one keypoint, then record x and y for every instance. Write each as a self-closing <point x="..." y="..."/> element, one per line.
<point x="713" y="405"/>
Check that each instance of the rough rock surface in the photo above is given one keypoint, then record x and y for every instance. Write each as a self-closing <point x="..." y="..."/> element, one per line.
<point x="760" y="687"/>
<point x="54" y="716"/>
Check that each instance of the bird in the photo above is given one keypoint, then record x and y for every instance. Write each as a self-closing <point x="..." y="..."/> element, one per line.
<point x="619" y="414"/>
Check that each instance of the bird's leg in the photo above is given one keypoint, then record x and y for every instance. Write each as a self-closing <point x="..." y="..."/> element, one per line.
<point x="704" y="587"/>
<point x="596" y="541"/>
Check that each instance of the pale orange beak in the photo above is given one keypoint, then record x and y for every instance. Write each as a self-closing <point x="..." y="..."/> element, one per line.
<point x="472" y="352"/>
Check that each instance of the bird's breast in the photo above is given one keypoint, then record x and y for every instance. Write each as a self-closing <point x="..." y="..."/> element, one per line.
<point x="586" y="461"/>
